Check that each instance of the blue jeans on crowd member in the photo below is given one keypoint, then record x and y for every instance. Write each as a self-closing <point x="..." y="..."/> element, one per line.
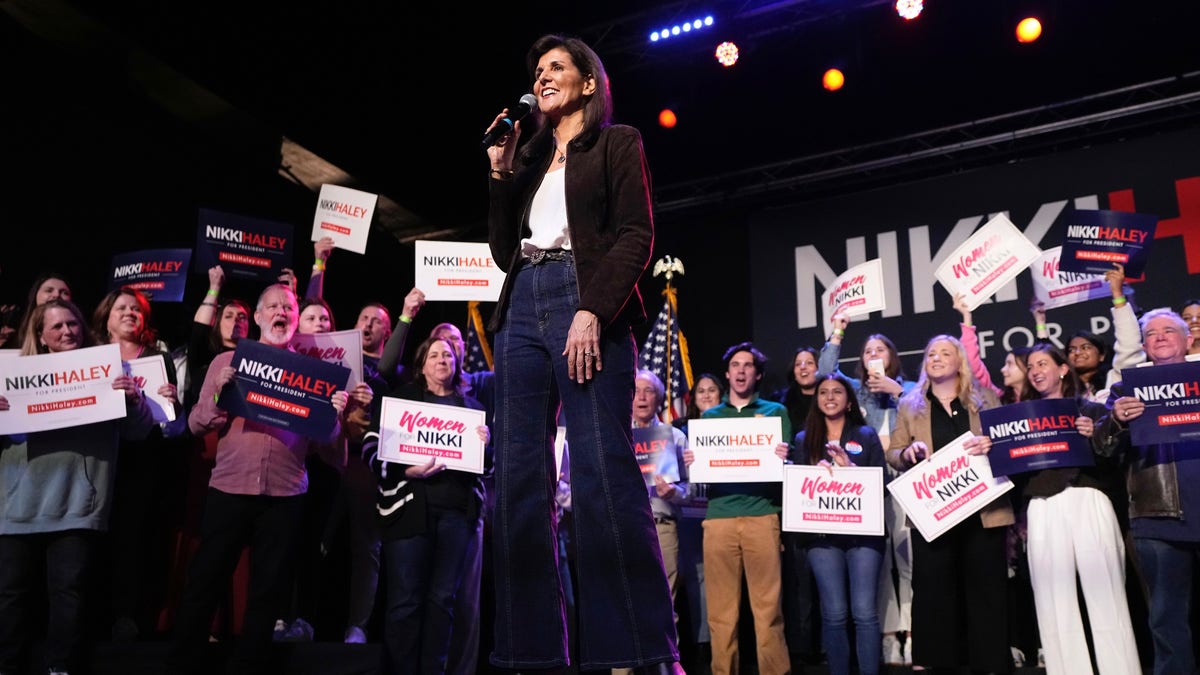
<point x="65" y="556"/>
<point x="1169" y="568"/>
<point x="424" y="573"/>
<point x="838" y="562"/>
<point x="625" y="613"/>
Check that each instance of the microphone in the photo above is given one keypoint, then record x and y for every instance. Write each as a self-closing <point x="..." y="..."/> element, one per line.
<point x="515" y="114"/>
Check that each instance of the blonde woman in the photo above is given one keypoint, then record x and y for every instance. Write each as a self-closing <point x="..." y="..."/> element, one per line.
<point x="959" y="598"/>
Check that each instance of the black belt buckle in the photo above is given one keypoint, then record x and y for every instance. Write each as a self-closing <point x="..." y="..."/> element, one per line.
<point x="544" y="255"/>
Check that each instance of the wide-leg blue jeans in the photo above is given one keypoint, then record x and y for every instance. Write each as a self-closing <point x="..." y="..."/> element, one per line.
<point x="625" y="613"/>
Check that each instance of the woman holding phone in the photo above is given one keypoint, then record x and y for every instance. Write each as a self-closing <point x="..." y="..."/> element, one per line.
<point x="878" y="387"/>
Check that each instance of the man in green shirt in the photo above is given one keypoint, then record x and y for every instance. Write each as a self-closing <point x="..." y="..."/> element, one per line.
<point x="741" y="531"/>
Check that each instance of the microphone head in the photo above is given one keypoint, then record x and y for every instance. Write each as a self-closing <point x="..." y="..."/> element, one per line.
<point x="529" y="101"/>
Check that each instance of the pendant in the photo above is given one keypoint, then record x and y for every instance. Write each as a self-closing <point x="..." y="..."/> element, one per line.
<point x="562" y="158"/>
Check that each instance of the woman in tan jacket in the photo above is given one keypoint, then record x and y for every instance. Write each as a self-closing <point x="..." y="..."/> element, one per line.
<point x="959" y="599"/>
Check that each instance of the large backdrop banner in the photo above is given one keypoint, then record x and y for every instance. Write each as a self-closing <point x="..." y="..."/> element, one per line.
<point x="913" y="228"/>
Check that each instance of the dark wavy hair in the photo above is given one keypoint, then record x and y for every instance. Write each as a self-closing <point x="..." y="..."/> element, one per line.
<point x="597" y="107"/>
<point x="1071" y="386"/>
<point x="814" y="425"/>
<point x="1101" y="373"/>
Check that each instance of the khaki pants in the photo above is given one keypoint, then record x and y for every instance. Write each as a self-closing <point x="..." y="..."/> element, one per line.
<point x="731" y="545"/>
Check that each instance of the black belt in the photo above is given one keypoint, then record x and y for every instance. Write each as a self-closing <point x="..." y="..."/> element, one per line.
<point x="545" y="255"/>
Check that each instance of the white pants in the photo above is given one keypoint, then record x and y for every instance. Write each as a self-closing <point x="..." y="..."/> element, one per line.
<point x="1076" y="530"/>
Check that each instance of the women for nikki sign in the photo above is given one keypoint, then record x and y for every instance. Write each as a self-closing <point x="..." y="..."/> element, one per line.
<point x="414" y="432"/>
<point x="1056" y="287"/>
<point x="150" y="373"/>
<point x="276" y="386"/>
<point x="848" y="500"/>
<point x="342" y="347"/>
<point x="1035" y="435"/>
<point x="949" y="487"/>
<point x="64" y="389"/>
<point x="1171" y="393"/>
<point x="735" y="450"/>
<point x="988" y="260"/>
<point x="856" y="292"/>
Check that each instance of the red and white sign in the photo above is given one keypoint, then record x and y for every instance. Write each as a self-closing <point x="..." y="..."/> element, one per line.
<point x="345" y="215"/>
<point x="986" y="261"/>
<point x="150" y="373"/>
<point x="946" y="489"/>
<point x="1058" y="288"/>
<point x="64" y="389"/>
<point x="413" y="432"/>
<point x="450" y="270"/>
<point x="735" y="450"/>
<point x="342" y="348"/>
<point x="847" y="501"/>
<point x="856" y="292"/>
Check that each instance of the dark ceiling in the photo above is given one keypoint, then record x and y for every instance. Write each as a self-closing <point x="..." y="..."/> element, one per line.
<point x="398" y="93"/>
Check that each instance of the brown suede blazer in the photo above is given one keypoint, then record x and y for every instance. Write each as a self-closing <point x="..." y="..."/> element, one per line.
<point x="609" y="221"/>
<point x="915" y="426"/>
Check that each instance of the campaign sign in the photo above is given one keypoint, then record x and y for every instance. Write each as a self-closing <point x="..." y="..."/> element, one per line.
<point x="856" y="292"/>
<point x="160" y="274"/>
<point x="451" y="270"/>
<point x="735" y="450"/>
<point x="344" y="215"/>
<point x="150" y="373"/>
<point x="986" y="261"/>
<point x="1171" y="393"/>
<point x="414" y="432"/>
<point x="343" y="348"/>
<point x="1096" y="239"/>
<point x="654" y="447"/>
<point x="287" y="390"/>
<point x="246" y="248"/>
<point x="848" y="501"/>
<point x="946" y="489"/>
<point x="1055" y="287"/>
<point x="1035" y="435"/>
<point x="63" y="389"/>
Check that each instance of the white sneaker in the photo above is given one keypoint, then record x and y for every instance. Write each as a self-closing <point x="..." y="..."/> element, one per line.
<point x="908" y="650"/>
<point x="892" y="655"/>
<point x="1041" y="658"/>
<point x="1018" y="657"/>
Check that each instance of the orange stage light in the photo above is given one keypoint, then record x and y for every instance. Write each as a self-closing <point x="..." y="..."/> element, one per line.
<point x="667" y="119"/>
<point x="833" y="79"/>
<point x="1029" y="30"/>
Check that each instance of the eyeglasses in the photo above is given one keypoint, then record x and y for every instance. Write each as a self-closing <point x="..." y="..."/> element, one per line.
<point x="1085" y="347"/>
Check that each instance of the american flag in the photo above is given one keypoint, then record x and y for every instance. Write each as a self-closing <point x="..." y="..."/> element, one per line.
<point x="665" y="353"/>
<point x="479" y="353"/>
